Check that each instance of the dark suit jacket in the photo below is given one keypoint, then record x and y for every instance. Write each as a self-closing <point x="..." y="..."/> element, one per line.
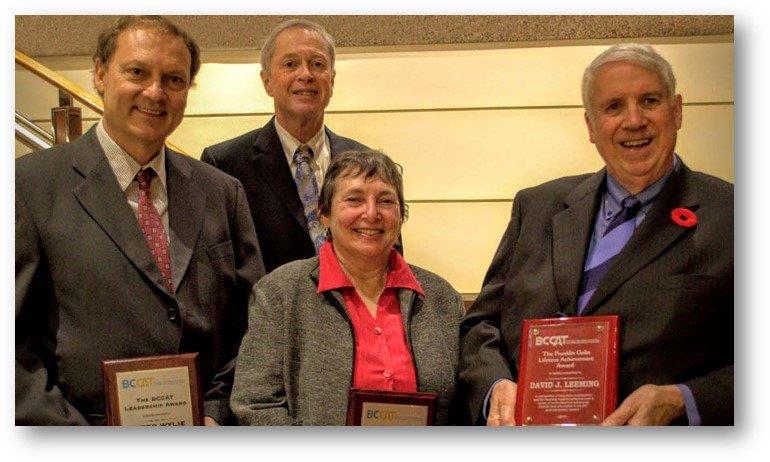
<point x="258" y="161"/>
<point x="88" y="289"/>
<point x="671" y="286"/>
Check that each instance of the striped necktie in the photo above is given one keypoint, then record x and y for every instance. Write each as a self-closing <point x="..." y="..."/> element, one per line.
<point x="608" y="246"/>
<point x="307" y="187"/>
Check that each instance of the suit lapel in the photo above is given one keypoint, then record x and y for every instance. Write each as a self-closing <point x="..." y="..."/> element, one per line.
<point x="570" y="226"/>
<point x="336" y="144"/>
<point x="656" y="233"/>
<point x="101" y="197"/>
<point x="270" y="161"/>
<point x="186" y="206"/>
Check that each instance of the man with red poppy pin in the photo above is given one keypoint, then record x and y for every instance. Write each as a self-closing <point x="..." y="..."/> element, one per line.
<point x="670" y="279"/>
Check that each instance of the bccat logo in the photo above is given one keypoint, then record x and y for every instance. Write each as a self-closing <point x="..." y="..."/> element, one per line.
<point x="380" y="415"/>
<point x="138" y="383"/>
<point x="554" y="340"/>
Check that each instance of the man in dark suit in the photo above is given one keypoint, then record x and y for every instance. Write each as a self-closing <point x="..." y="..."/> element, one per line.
<point x="92" y="283"/>
<point x="298" y="73"/>
<point x="669" y="277"/>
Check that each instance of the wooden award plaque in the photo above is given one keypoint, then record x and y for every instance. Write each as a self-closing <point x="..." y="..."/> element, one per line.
<point x="153" y="391"/>
<point x="386" y="408"/>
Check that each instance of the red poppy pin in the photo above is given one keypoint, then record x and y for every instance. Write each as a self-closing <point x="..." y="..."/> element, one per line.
<point x="684" y="217"/>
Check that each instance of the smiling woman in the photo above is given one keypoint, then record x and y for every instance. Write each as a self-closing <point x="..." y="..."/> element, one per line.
<point x="356" y="316"/>
<point x="362" y="206"/>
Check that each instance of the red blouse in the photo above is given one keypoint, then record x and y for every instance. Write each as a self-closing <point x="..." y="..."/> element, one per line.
<point x="383" y="359"/>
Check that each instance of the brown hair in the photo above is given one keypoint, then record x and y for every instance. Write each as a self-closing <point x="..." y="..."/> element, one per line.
<point x="371" y="164"/>
<point x="105" y="46"/>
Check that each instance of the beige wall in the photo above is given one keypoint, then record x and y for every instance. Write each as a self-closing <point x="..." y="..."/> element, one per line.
<point x="470" y="127"/>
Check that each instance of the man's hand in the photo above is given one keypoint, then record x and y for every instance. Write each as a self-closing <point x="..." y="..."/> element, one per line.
<point x="649" y="405"/>
<point x="501" y="404"/>
<point x="209" y="422"/>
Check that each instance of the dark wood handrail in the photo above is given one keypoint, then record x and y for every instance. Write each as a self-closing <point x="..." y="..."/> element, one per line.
<point x="82" y="95"/>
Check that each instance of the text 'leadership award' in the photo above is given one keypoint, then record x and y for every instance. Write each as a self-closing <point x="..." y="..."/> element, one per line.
<point x="568" y="370"/>
<point x="153" y="391"/>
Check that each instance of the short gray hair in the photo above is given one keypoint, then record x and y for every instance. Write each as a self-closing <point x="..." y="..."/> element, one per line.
<point x="370" y="164"/>
<point x="268" y="48"/>
<point x="640" y="54"/>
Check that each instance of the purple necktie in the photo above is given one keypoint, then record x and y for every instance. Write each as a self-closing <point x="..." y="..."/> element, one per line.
<point x="608" y="246"/>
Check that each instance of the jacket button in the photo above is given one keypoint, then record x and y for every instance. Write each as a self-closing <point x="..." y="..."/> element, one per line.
<point x="173" y="315"/>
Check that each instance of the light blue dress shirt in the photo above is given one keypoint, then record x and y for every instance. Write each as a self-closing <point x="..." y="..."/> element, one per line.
<point x="608" y="208"/>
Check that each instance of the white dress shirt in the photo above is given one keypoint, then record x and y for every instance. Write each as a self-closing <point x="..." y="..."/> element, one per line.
<point x="125" y="168"/>
<point x="319" y="143"/>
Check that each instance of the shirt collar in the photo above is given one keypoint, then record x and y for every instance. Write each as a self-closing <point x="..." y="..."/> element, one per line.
<point x="331" y="276"/>
<point x="123" y="165"/>
<point x="617" y="192"/>
<point x="290" y="144"/>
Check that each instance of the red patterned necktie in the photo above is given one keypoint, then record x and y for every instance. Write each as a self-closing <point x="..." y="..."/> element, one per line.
<point x="152" y="227"/>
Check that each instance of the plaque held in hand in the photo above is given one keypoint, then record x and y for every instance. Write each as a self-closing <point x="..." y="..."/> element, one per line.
<point x="153" y="391"/>
<point x="568" y="370"/>
<point x="386" y="408"/>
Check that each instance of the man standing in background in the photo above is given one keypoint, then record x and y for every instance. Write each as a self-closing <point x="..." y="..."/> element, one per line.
<point x="282" y="164"/>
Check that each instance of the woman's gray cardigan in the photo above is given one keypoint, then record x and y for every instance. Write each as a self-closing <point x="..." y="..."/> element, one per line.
<point x="295" y="364"/>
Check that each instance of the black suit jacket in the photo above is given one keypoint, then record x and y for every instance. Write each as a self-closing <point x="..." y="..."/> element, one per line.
<point x="258" y="161"/>
<point x="88" y="289"/>
<point x="672" y="287"/>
